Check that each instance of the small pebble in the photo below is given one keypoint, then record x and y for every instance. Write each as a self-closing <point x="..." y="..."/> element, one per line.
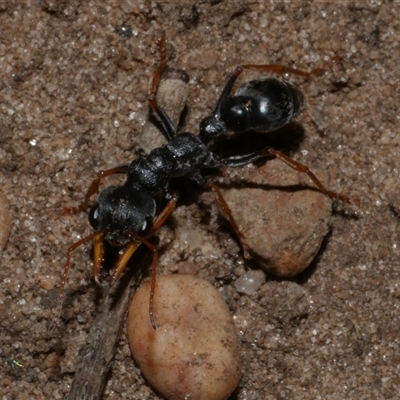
<point x="48" y="282"/>
<point x="5" y="221"/>
<point x="73" y="345"/>
<point x="131" y="6"/>
<point x="250" y="282"/>
<point x="286" y="301"/>
<point x="284" y="229"/>
<point x="201" y="59"/>
<point x="52" y="360"/>
<point x="193" y="353"/>
<point x="187" y="268"/>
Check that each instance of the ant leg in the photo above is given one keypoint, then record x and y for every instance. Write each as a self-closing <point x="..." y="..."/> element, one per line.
<point x="167" y="125"/>
<point x="132" y="246"/>
<point x="94" y="187"/>
<point x="227" y="213"/>
<point x="282" y="69"/>
<point x="96" y="236"/>
<point x="155" y="80"/>
<point x="123" y="260"/>
<point x="164" y="214"/>
<point x="304" y="169"/>
<point x="238" y="161"/>
<point x="98" y="256"/>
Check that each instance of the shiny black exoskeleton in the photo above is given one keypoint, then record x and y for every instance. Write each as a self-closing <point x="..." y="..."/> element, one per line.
<point x="132" y="206"/>
<point x="261" y="105"/>
<point x="128" y="215"/>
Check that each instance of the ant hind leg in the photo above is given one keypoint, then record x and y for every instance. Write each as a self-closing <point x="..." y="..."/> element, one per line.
<point x="239" y="161"/>
<point x="227" y="213"/>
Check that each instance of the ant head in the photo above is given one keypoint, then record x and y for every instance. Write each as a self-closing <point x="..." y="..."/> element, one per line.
<point x="123" y="209"/>
<point x="211" y="127"/>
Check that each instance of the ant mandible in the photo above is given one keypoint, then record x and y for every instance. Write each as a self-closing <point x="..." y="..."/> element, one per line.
<point x="127" y="215"/>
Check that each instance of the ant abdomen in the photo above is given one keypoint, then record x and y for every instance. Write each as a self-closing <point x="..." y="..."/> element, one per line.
<point x="262" y="105"/>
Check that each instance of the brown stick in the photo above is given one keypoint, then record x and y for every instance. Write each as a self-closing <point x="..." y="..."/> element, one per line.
<point x="96" y="356"/>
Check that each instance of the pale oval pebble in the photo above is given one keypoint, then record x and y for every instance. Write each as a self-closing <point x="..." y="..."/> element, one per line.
<point x="193" y="353"/>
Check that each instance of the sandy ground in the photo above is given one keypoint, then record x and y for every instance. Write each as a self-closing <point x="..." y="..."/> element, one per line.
<point x="73" y="99"/>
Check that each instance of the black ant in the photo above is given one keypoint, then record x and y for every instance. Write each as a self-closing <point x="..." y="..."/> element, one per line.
<point x="127" y="215"/>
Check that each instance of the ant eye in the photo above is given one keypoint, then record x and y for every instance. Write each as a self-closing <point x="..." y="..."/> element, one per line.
<point x="94" y="215"/>
<point x="147" y="224"/>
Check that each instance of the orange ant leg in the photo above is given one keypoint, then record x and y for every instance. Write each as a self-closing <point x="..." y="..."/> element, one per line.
<point x="98" y="257"/>
<point x="227" y="213"/>
<point x="94" y="187"/>
<point x="163" y="63"/>
<point x="96" y="236"/>
<point x="168" y="127"/>
<point x="122" y="263"/>
<point x="282" y="69"/>
<point x="304" y="169"/>
<point x="278" y="69"/>
<point x="130" y="249"/>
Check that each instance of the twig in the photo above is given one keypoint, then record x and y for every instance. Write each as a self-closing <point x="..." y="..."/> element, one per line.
<point x="96" y="356"/>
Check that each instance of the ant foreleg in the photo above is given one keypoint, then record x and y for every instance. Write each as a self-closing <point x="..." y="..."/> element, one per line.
<point x="98" y="257"/>
<point x="132" y="246"/>
<point x="123" y="260"/>
<point x="164" y="214"/>
<point x="96" y="236"/>
<point x="94" y="187"/>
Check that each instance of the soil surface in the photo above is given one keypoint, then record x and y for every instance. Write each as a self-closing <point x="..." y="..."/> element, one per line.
<point x="73" y="91"/>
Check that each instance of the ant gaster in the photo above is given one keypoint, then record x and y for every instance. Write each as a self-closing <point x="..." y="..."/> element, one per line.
<point x="127" y="215"/>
